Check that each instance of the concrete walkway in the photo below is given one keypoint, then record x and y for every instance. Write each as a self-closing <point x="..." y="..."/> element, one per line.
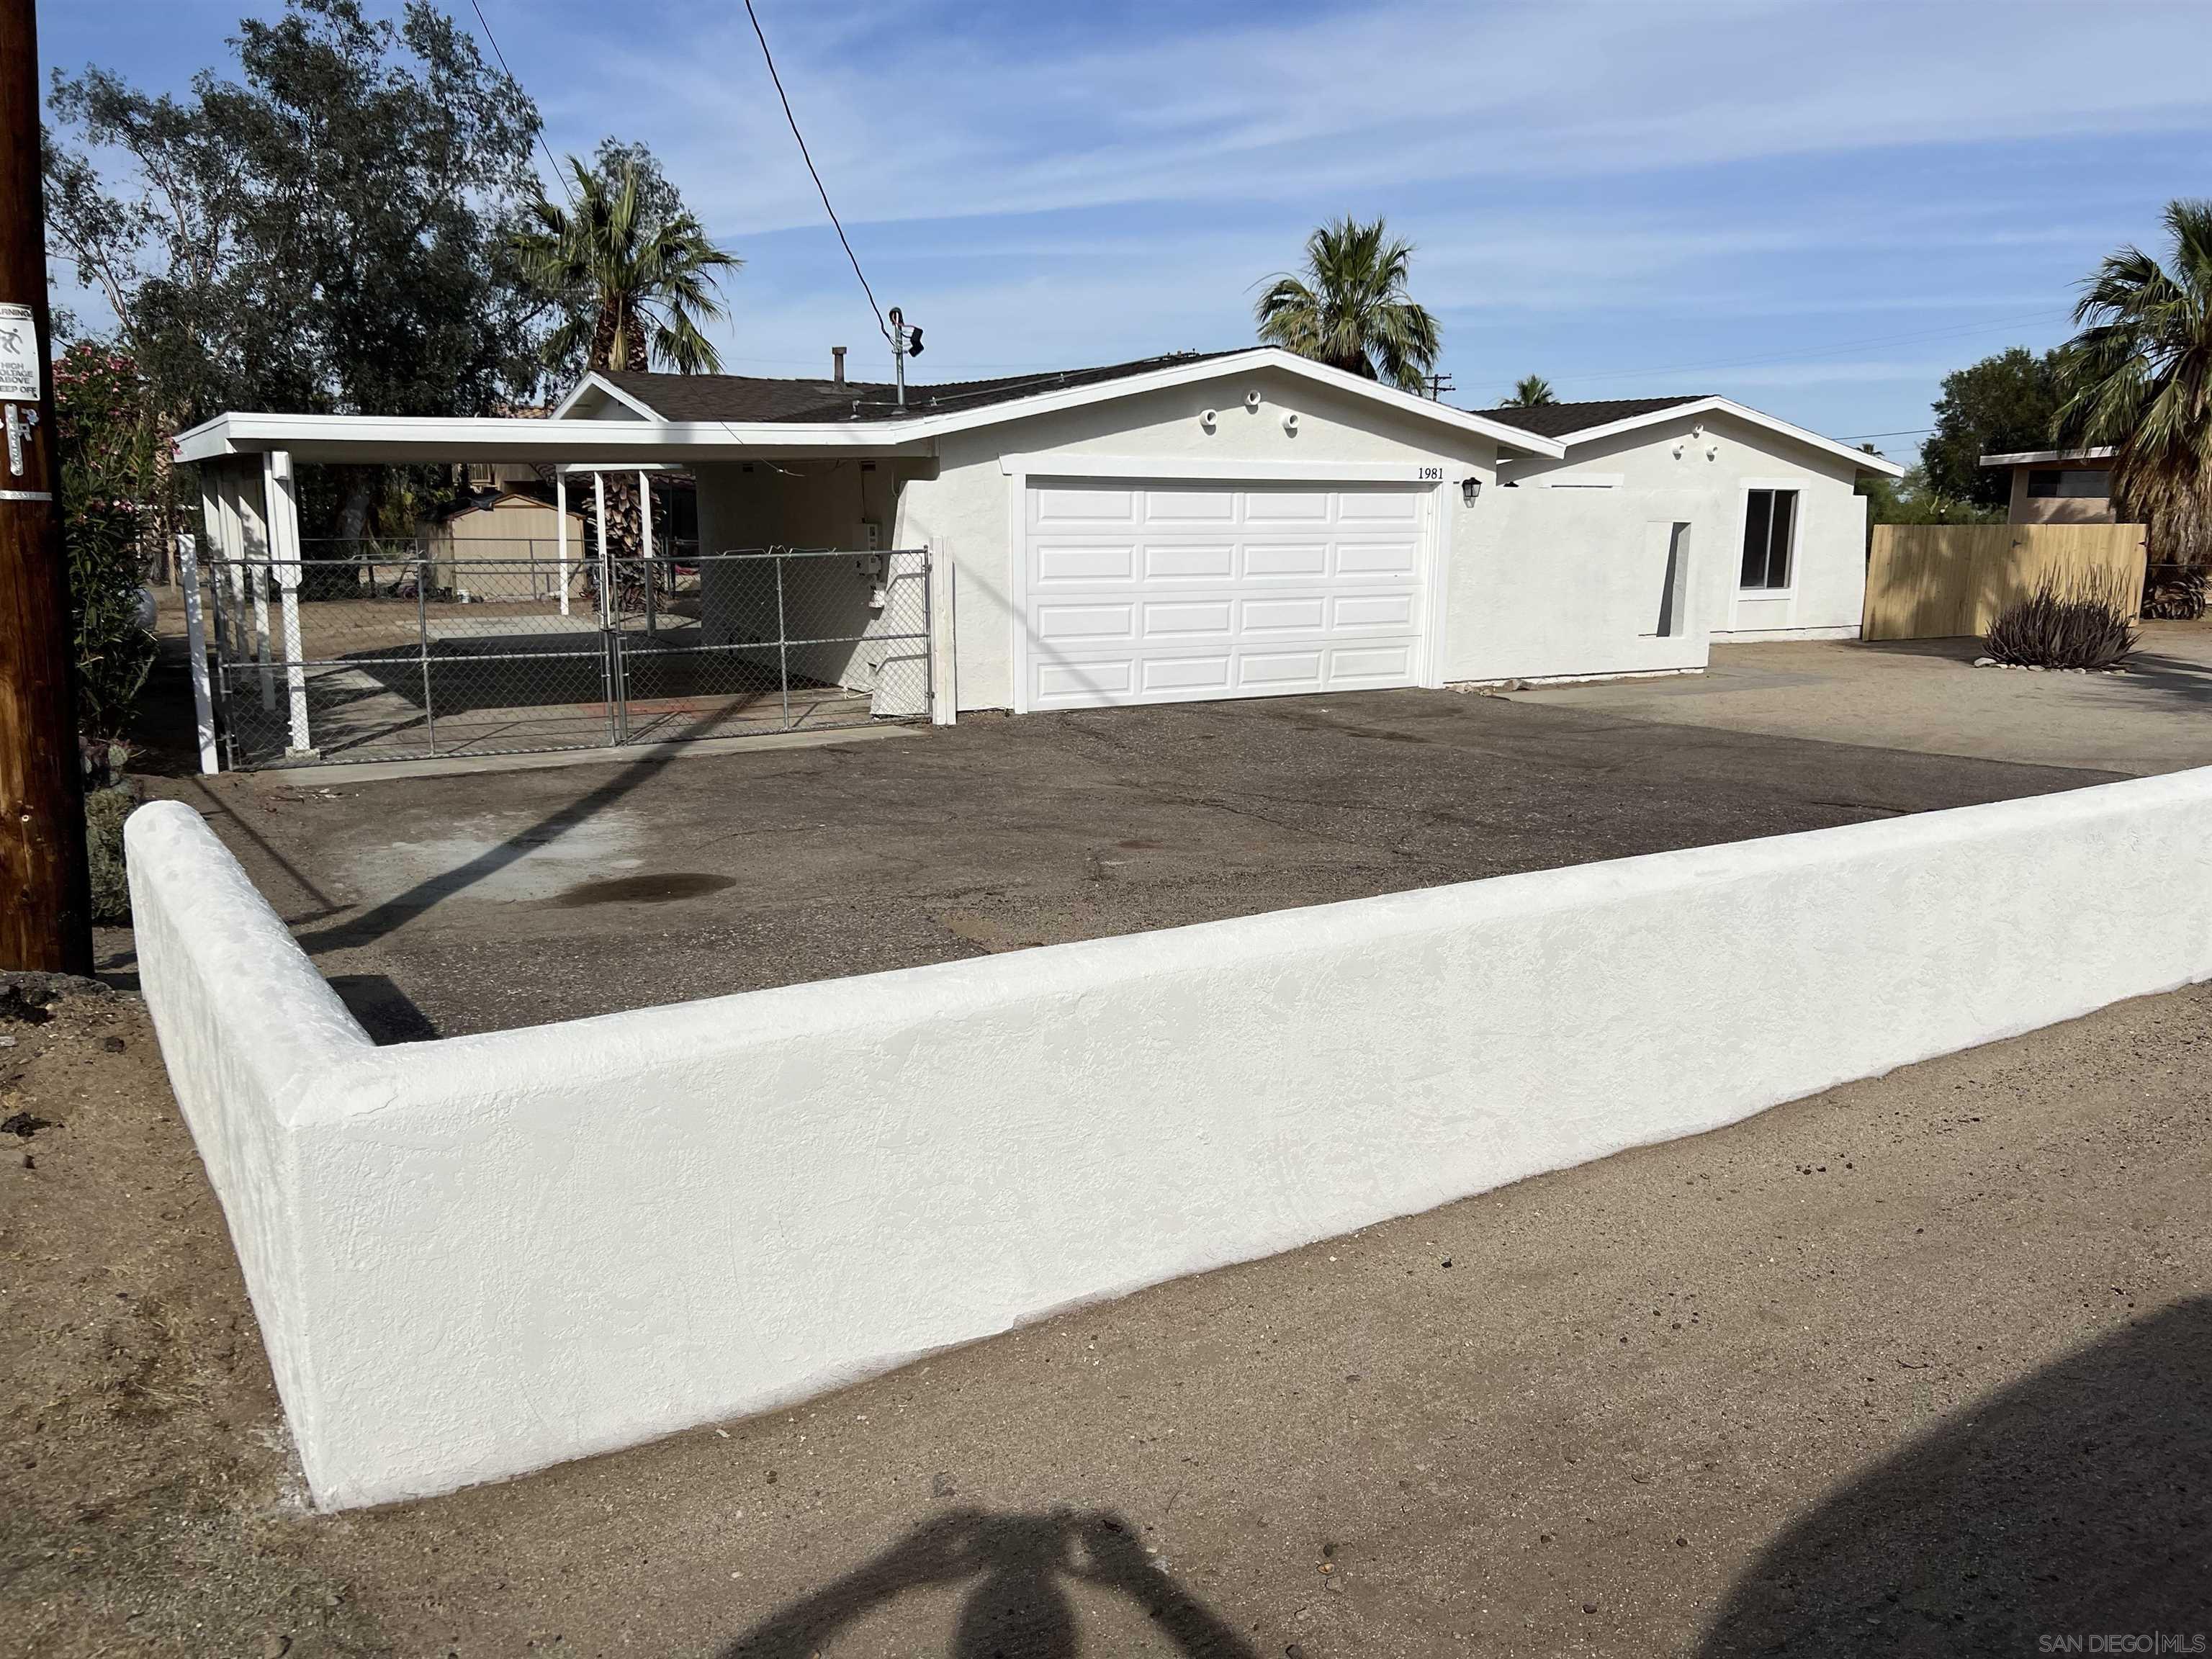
<point x="1926" y="695"/>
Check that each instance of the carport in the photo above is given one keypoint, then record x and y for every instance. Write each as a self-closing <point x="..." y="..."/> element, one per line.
<point x="322" y="650"/>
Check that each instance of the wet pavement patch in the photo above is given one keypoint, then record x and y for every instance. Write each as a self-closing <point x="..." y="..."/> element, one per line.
<point x="641" y="889"/>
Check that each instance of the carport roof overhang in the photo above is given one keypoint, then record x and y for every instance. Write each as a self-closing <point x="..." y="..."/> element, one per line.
<point x="398" y="439"/>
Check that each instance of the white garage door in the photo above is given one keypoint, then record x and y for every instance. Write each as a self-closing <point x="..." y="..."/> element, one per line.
<point x="1162" y="592"/>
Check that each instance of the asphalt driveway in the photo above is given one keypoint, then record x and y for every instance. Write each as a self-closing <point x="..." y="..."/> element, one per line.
<point x="446" y="905"/>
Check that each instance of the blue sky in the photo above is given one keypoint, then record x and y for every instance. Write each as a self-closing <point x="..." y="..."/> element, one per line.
<point x="1818" y="209"/>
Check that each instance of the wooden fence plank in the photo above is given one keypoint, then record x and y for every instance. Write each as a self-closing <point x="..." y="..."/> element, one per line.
<point x="1927" y="581"/>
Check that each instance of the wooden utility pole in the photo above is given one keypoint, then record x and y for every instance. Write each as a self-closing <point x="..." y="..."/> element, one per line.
<point x="45" y="900"/>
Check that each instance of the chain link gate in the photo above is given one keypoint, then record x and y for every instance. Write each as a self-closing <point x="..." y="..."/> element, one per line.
<point x="405" y="653"/>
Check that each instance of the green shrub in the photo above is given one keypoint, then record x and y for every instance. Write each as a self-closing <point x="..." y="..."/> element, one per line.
<point x="2077" y="625"/>
<point x="104" y="812"/>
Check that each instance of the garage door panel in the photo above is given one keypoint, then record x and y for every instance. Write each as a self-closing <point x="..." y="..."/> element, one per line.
<point x="1162" y="594"/>
<point x="1190" y="560"/>
<point x="1214" y="506"/>
<point x="1303" y="614"/>
<point x="1379" y="506"/>
<point x="1275" y="559"/>
<point x="1286" y="505"/>
<point x="1086" y="621"/>
<point x="1367" y="611"/>
<point x="1377" y="559"/>
<point x="1186" y="676"/>
<point x="1181" y="618"/>
<point x="1062" y="504"/>
<point x="1277" y="670"/>
<point x="1059" y="563"/>
<point x="1084" y="682"/>
<point x="1376" y="666"/>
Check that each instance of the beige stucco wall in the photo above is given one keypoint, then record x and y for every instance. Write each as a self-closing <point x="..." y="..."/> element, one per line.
<point x="1827" y="589"/>
<point x="2057" y="509"/>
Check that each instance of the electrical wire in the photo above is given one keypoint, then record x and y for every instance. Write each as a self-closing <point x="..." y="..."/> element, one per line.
<point x="559" y="176"/>
<point x="819" y="189"/>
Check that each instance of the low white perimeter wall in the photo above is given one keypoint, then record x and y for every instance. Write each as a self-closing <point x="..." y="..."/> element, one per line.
<point x="475" y="1256"/>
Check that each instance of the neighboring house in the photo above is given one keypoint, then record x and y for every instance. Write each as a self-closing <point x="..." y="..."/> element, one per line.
<point x="1775" y="529"/>
<point x="2058" y="486"/>
<point x="1243" y="524"/>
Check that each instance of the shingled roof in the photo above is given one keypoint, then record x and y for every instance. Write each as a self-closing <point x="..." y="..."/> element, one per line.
<point x="744" y="397"/>
<point x="1560" y="420"/>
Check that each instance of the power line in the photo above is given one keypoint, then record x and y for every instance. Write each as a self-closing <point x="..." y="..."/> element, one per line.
<point x="818" y="188"/>
<point x="1909" y="432"/>
<point x="559" y="176"/>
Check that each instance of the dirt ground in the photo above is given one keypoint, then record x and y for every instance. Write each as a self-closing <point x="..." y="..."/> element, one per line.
<point x="1926" y="695"/>
<point x="1922" y="1365"/>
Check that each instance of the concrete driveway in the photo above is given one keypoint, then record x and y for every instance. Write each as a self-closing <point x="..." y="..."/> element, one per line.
<point x="1925" y="696"/>
<point x="446" y="905"/>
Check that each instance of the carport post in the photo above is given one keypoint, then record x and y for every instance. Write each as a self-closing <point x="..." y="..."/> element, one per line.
<point x="606" y="569"/>
<point x="645" y="541"/>
<point x="188" y="573"/>
<point x="253" y="537"/>
<point x="283" y="507"/>
<point x="560" y="532"/>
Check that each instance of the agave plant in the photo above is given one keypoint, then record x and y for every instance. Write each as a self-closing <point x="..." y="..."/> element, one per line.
<point x="2083" y="624"/>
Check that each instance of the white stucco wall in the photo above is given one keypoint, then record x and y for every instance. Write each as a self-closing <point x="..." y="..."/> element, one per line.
<point x="475" y="1256"/>
<point x="1827" y="589"/>
<point x="1556" y="583"/>
<point x="967" y="509"/>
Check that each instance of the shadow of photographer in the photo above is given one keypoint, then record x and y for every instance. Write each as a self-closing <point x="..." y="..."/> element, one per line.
<point x="1018" y="1606"/>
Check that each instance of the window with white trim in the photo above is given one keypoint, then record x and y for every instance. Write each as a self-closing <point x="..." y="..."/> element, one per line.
<point x="1769" y="532"/>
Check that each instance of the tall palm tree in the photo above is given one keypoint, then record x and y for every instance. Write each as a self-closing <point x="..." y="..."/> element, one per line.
<point x="632" y="271"/>
<point x="1531" y="392"/>
<point x="1350" y="309"/>
<point x="2139" y="378"/>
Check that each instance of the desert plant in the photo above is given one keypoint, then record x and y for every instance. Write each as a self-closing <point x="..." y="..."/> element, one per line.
<point x="2081" y="625"/>
<point x="104" y="812"/>
<point x="2174" y="593"/>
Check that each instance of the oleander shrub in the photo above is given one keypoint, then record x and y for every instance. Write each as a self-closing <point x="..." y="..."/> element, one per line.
<point x="2083" y="623"/>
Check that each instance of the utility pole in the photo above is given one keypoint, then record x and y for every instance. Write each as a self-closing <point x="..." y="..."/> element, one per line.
<point x="1438" y="385"/>
<point x="45" y="900"/>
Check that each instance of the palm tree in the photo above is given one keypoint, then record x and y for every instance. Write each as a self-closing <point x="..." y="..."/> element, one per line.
<point x="1350" y="309"/>
<point x="632" y="271"/>
<point x="1531" y="392"/>
<point x="2139" y="378"/>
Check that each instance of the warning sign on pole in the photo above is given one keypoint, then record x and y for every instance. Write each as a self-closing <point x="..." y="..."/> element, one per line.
<point x="19" y="355"/>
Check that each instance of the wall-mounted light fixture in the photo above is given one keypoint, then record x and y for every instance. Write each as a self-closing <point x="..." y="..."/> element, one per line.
<point x="1468" y="489"/>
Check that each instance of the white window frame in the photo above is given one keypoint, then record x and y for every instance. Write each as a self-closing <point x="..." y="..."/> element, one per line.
<point x="1795" y="487"/>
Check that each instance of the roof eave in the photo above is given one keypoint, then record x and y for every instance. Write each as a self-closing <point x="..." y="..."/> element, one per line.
<point x="1859" y="457"/>
<point x="2036" y="457"/>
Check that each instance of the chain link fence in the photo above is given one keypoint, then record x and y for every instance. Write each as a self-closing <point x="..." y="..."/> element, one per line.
<point x="391" y="651"/>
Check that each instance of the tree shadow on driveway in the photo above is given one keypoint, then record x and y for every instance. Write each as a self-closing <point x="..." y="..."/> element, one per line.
<point x="1018" y="1606"/>
<point x="2075" y="1503"/>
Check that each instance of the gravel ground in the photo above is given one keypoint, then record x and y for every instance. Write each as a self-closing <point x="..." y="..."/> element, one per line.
<point x="1922" y="1365"/>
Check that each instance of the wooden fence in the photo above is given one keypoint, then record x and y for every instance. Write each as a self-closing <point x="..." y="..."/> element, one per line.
<point x="1928" y="581"/>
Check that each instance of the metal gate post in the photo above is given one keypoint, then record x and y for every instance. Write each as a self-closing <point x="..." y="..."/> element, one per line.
<point x="782" y="644"/>
<point x="422" y="640"/>
<point x="928" y="644"/>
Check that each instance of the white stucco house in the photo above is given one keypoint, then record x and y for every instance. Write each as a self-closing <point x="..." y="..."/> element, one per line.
<point x="1240" y="523"/>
